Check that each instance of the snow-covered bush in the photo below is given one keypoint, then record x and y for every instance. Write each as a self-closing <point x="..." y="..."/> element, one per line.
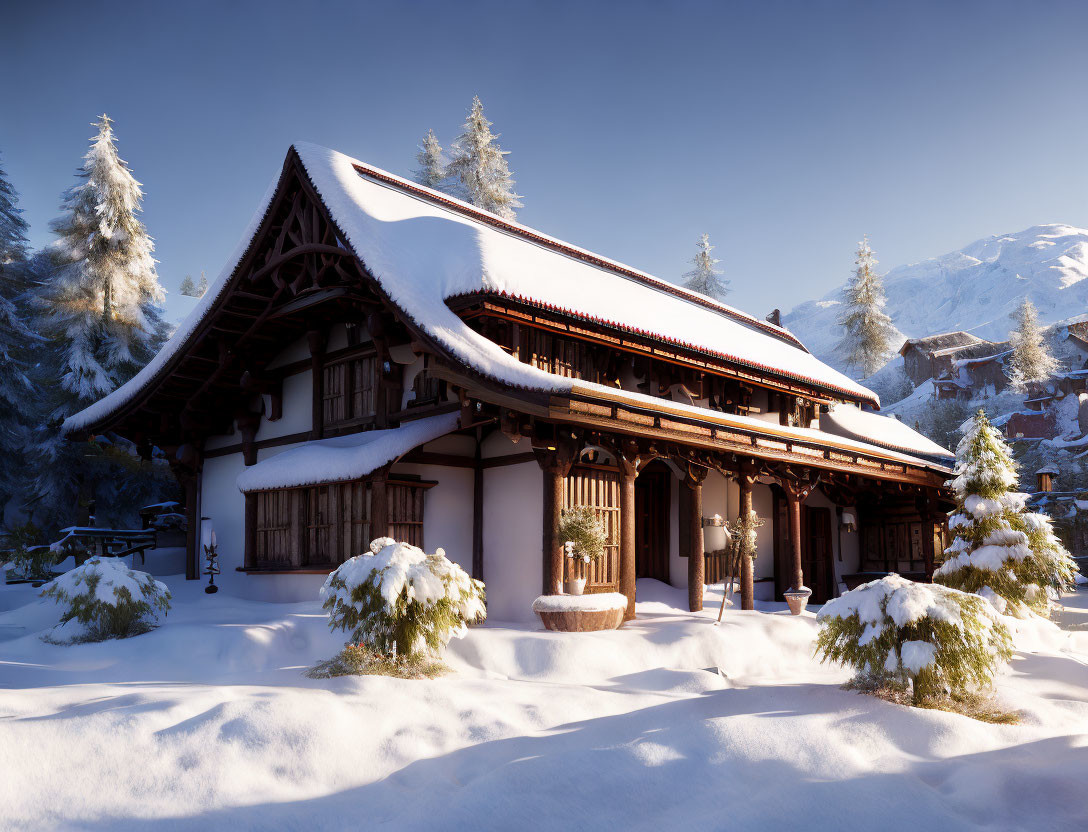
<point x="400" y="600"/>
<point x="1001" y="551"/>
<point x="939" y="639"/>
<point x="582" y="534"/>
<point x="109" y="599"/>
<point x="29" y="559"/>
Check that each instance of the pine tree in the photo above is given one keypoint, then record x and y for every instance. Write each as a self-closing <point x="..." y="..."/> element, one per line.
<point x="187" y="287"/>
<point x="16" y="343"/>
<point x="101" y="304"/>
<point x="432" y="167"/>
<point x="704" y="278"/>
<point x="1000" y="551"/>
<point x="202" y="286"/>
<point x="98" y="307"/>
<point x="479" y="166"/>
<point x="1031" y="358"/>
<point x="867" y="342"/>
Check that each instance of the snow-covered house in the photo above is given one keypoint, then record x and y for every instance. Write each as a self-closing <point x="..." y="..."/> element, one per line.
<point x="935" y="355"/>
<point x="379" y="358"/>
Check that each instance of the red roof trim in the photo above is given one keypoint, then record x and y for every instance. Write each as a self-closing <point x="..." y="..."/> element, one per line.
<point x="754" y="365"/>
<point x="578" y="253"/>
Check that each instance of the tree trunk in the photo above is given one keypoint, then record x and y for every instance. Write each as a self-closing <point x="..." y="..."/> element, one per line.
<point x="747" y="579"/>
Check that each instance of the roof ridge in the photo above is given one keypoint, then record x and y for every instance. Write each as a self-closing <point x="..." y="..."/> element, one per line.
<point x="572" y="250"/>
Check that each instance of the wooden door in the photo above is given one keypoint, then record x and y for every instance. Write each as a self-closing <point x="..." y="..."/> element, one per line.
<point x="816" y="553"/>
<point x="652" y="525"/>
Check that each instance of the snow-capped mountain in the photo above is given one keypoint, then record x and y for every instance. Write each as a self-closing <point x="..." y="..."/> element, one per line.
<point x="973" y="289"/>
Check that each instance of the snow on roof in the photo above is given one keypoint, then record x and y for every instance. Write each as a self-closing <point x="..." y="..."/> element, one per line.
<point x="343" y="458"/>
<point x="1049" y="469"/>
<point x="883" y="431"/>
<point x="424" y="248"/>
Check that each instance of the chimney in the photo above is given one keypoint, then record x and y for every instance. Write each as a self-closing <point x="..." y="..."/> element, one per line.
<point x="775" y="317"/>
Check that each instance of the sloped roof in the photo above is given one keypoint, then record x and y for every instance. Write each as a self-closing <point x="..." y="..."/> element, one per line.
<point x="424" y="248"/>
<point x="343" y="458"/>
<point x="941" y="341"/>
<point x="883" y="431"/>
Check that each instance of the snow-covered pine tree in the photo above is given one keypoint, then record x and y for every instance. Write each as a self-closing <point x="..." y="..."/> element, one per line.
<point x="98" y="308"/>
<point x="1000" y="551"/>
<point x="704" y="278"/>
<point x="479" y="166"/>
<point x="101" y="305"/>
<point x="867" y="341"/>
<point x="16" y="341"/>
<point x="202" y="286"/>
<point x="187" y="287"/>
<point x="1031" y="359"/>
<point x="432" y="167"/>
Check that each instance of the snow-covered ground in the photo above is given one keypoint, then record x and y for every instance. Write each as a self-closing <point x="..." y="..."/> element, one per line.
<point x="208" y="723"/>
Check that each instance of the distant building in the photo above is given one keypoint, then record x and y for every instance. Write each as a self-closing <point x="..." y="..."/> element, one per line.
<point x="930" y="357"/>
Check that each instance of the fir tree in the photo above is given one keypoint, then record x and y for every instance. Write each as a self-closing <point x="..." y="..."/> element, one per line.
<point x="98" y="309"/>
<point x="1001" y="551"/>
<point x="101" y="304"/>
<point x="202" y="286"/>
<point x="16" y="343"/>
<point x="187" y="287"/>
<point x="867" y="341"/>
<point x="1031" y="359"/>
<point x="704" y="278"/>
<point x="479" y="166"/>
<point x="432" y="167"/>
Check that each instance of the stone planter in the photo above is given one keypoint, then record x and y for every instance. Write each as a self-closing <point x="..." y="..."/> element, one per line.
<point x="797" y="599"/>
<point x="581" y="613"/>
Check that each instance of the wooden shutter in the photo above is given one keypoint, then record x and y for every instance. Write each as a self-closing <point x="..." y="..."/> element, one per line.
<point x="277" y="529"/>
<point x="319" y="526"/>
<point x="599" y="489"/>
<point x="363" y="377"/>
<point x="406" y="513"/>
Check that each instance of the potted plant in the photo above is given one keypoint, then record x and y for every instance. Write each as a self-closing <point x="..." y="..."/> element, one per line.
<point x="583" y="543"/>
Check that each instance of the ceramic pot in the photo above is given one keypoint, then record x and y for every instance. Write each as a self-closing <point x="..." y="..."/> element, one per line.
<point x="574" y="586"/>
<point x="797" y="599"/>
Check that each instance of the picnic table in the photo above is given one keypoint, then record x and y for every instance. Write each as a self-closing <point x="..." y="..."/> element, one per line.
<point x="108" y="543"/>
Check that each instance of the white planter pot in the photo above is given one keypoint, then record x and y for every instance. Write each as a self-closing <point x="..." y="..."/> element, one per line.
<point x="574" y="586"/>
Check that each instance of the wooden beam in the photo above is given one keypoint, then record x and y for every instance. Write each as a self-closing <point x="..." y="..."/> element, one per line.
<point x="555" y="462"/>
<point x="316" y="340"/>
<point x="746" y="479"/>
<point x="478" y="509"/>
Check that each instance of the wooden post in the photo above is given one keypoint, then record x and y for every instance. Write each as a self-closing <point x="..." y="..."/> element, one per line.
<point x="793" y="503"/>
<point x="696" y="557"/>
<point x="478" y="509"/>
<point x="925" y="509"/>
<point x="251" y="530"/>
<point x="316" y="339"/>
<point x="190" y="480"/>
<point x="627" y="536"/>
<point x="747" y="580"/>
<point x="379" y="505"/>
<point x="555" y="461"/>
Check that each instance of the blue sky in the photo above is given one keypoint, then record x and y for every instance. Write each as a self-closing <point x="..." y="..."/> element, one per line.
<point x="783" y="130"/>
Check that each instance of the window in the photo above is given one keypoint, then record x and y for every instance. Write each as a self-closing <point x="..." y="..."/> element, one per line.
<point x="406" y="511"/>
<point x="349" y="386"/>
<point x="323" y="525"/>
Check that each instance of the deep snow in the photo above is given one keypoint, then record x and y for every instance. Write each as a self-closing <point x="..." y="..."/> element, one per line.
<point x="209" y="723"/>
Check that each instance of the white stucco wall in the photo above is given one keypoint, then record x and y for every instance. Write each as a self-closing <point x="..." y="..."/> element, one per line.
<point x="513" y="531"/>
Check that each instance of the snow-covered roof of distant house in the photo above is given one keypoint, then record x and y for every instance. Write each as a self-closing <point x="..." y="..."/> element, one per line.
<point x="343" y="458"/>
<point x="883" y="431"/>
<point x="941" y="341"/>
<point x="1049" y="469"/>
<point x="425" y="248"/>
<point x="982" y="359"/>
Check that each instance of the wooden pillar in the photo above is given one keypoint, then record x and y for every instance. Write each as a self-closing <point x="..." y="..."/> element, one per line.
<point x="190" y="481"/>
<point x="478" y="509"/>
<point x="555" y="462"/>
<point x="925" y="508"/>
<point x="747" y="579"/>
<point x="379" y="505"/>
<point x="793" y="503"/>
<point x="251" y="530"/>
<point x="627" y="537"/>
<point x="316" y="340"/>
<point x="696" y="557"/>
